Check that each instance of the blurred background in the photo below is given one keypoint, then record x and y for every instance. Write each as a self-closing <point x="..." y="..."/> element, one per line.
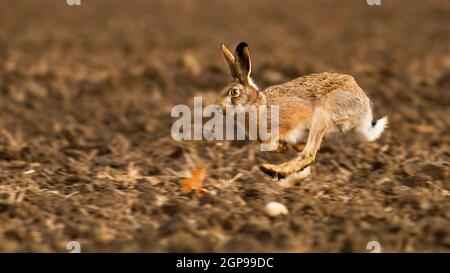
<point x="85" y="147"/>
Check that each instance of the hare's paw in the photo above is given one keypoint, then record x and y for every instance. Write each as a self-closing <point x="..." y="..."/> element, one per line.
<point x="273" y="171"/>
<point x="283" y="170"/>
<point x="296" y="165"/>
<point x="295" y="178"/>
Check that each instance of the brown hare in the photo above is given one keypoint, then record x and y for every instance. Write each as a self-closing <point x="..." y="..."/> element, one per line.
<point x="310" y="108"/>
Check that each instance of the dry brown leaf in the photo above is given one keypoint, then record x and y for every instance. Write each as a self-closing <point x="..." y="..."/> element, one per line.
<point x="195" y="182"/>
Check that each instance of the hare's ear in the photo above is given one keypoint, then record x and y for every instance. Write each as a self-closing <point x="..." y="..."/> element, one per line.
<point x="243" y="64"/>
<point x="229" y="59"/>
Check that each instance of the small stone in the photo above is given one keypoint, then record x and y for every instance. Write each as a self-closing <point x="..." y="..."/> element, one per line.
<point x="274" y="209"/>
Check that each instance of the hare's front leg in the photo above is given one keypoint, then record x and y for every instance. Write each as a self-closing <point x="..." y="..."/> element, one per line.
<point x="274" y="147"/>
<point x="321" y="123"/>
<point x="298" y="147"/>
<point x="281" y="148"/>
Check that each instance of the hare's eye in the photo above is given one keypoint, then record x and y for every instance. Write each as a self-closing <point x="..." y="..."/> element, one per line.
<point x="234" y="92"/>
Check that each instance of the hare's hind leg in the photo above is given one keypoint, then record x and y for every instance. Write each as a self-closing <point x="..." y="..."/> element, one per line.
<point x="320" y="124"/>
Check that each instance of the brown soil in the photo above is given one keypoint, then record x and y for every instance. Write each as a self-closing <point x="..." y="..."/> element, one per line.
<point x="85" y="146"/>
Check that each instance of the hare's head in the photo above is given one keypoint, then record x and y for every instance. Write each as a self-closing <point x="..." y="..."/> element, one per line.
<point x="241" y="91"/>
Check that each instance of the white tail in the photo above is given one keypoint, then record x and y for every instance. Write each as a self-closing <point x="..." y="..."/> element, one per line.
<point x="374" y="132"/>
<point x="369" y="132"/>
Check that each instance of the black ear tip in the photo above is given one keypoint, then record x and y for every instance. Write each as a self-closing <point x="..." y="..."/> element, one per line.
<point x="241" y="46"/>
